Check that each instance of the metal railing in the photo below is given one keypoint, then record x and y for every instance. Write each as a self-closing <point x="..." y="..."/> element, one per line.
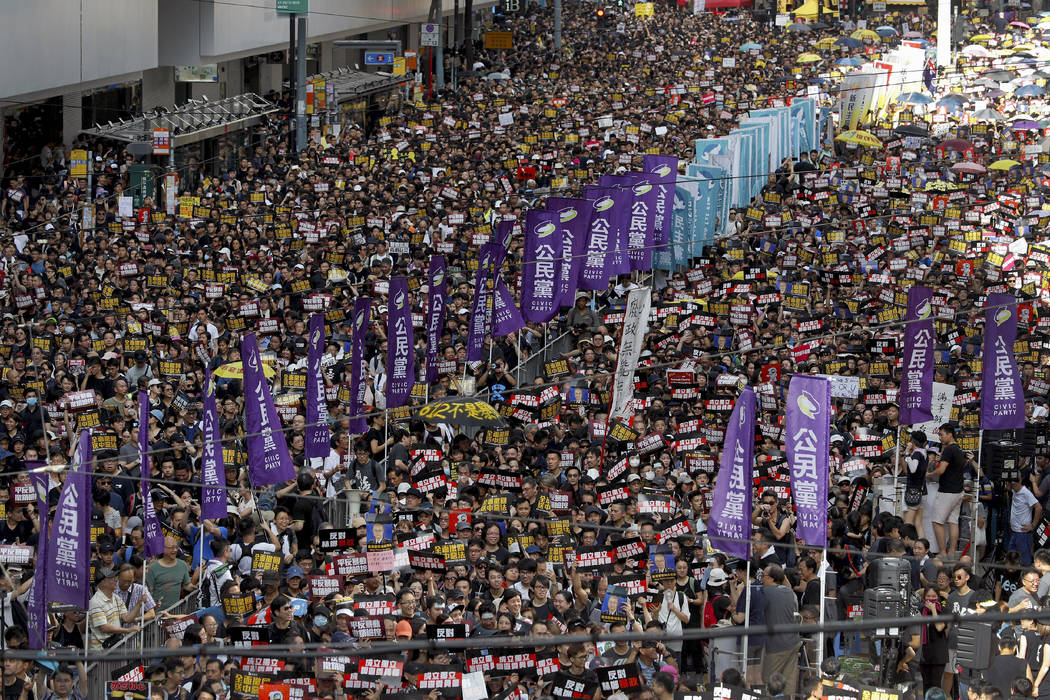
<point x="150" y="636"/>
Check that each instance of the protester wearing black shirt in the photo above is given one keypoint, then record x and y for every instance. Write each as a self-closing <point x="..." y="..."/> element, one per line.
<point x="950" y="473"/>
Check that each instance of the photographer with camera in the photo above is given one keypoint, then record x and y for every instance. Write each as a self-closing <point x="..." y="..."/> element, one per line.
<point x="768" y="514"/>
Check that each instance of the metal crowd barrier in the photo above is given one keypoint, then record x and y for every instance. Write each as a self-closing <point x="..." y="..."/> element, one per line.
<point x="151" y="636"/>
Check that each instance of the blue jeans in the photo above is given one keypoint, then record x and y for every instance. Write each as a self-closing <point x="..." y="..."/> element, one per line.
<point x="1022" y="542"/>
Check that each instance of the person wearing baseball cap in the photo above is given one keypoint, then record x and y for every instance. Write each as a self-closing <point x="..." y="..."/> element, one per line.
<point x="108" y="617"/>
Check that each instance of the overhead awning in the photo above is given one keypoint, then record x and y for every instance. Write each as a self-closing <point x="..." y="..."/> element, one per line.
<point x="346" y="84"/>
<point x="194" y="121"/>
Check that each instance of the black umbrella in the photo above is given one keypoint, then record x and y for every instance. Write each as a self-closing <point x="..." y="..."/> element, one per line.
<point x="1000" y="76"/>
<point x="462" y="410"/>
<point x="911" y="130"/>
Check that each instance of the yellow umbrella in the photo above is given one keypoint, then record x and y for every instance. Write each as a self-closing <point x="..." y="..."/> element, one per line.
<point x="981" y="37"/>
<point x="1004" y="164"/>
<point x="235" y="370"/>
<point x="827" y="42"/>
<point x="865" y="34"/>
<point x="808" y="58"/>
<point x="861" y="138"/>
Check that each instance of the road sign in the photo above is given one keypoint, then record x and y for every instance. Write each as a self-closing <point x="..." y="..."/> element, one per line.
<point x="430" y="35"/>
<point x="161" y="142"/>
<point x="293" y="7"/>
<point x="399" y="65"/>
<point x="78" y="163"/>
<point x="499" y="40"/>
<point x="379" y="58"/>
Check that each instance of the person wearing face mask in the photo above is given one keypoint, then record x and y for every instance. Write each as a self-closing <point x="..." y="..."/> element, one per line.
<point x="35" y="418"/>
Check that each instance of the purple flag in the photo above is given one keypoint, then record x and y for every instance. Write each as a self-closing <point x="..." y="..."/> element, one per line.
<point x="154" y="545"/>
<point x="539" y="269"/>
<point x="730" y="525"/>
<point x="436" y="290"/>
<point x="213" y="470"/>
<point x="574" y="219"/>
<point x="640" y="224"/>
<point x="916" y="393"/>
<point x="268" y="458"/>
<point x="1002" y="396"/>
<point x="481" y="309"/>
<point x="503" y="232"/>
<point x="621" y="188"/>
<point x="358" y="365"/>
<point x="36" y="604"/>
<point x="69" y="546"/>
<point x="662" y="172"/>
<point x="808" y="438"/>
<point x="505" y="315"/>
<point x="601" y="240"/>
<point x="400" y="353"/>
<point x="318" y="436"/>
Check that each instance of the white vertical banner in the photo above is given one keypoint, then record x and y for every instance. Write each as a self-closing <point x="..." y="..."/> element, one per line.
<point x="635" y="326"/>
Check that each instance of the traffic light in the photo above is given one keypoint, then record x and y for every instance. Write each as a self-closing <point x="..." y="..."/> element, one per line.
<point x="600" y="12"/>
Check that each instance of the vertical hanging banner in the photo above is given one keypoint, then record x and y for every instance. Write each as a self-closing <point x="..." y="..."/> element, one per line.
<point x="213" y="469"/>
<point x="69" y="548"/>
<point x="641" y="224"/>
<point x="730" y="525"/>
<point x="635" y="326"/>
<point x="662" y="172"/>
<point x="503" y="232"/>
<point x="481" y="309"/>
<point x="808" y="438"/>
<point x="154" y="539"/>
<point x="916" y="394"/>
<point x="400" y="352"/>
<point x="36" y="604"/>
<point x="506" y="318"/>
<point x="1002" y="396"/>
<point x="358" y="365"/>
<point x="268" y="458"/>
<point x="318" y="434"/>
<point x="574" y="220"/>
<point x="540" y="266"/>
<point x="601" y="240"/>
<point x="621" y="190"/>
<point x="436" y="291"/>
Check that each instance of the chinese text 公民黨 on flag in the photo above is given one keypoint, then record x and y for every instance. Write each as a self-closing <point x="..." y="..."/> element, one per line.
<point x="36" y="603"/>
<point x="318" y="436"/>
<point x="400" y="352"/>
<point x="481" y="308"/>
<point x="154" y="538"/>
<point x="807" y="434"/>
<point x="917" y="368"/>
<point x="540" y="266"/>
<point x="1002" y="396"/>
<point x="729" y="528"/>
<point x="359" y="365"/>
<point x="69" y="550"/>
<point x="213" y="469"/>
<point x="662" y="171"/>
<point x="436" y="290"/>
<point x="635" y="326"/>
<point x="574" y="220"/>
<point x="268" y="458"/>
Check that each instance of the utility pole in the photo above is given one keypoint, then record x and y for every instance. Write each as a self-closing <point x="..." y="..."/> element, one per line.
<point x="468" y="34"/>
<point x="291" y="80"/>
<point x="300" y="85"/>
<point x="557" y="25"/>
<point x="437" y="55"/>
<point x="944" y="33"/>
<point x="455" y="45"/>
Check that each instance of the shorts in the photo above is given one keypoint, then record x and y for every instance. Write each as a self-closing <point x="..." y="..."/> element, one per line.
<point x="946" y="508"/>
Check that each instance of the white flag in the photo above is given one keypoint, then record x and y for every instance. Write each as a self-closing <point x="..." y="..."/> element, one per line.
<point x="635" y="326"/>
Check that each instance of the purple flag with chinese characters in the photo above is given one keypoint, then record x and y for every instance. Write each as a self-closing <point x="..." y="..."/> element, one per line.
<point x="481" y="309"/>
<point x="436" y="290"/>
<point x="600" y="239"/>
<point x="662" y="171"/>
<point x="154" y="545"/>
<point x="730" y="525"/>
<point x="640" y="223"/>
<point x="540" y="266"/>
<point x="358" y="365"/>
<point x="69" y="548"/>
<point x="1002" y="395"/>
<point x="916" y="402"/>
<point x="574" y="220"/>
<point x="268" y="458"/>
<point x="807" y="435"/>
<point x="400" y="351"/>
<point x="318" y="436"/>
<point x="621" y="187"/>
<point x="213" y="469"/>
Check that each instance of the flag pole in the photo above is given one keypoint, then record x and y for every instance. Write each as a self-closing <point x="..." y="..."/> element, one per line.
<point x="976" y="500"/>
<point x="747" y="618"/>
<point x="823" y="604"/>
